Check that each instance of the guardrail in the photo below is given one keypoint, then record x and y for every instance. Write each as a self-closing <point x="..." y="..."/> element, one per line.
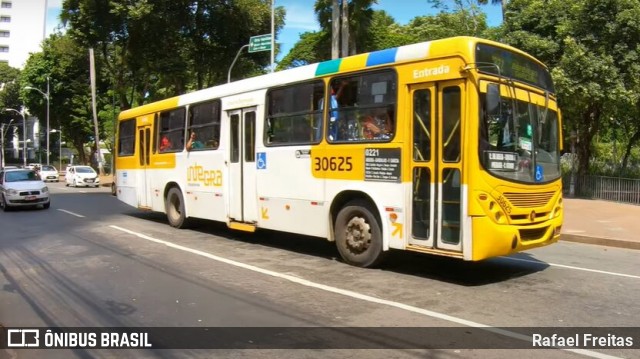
<point x="623" y="190"/>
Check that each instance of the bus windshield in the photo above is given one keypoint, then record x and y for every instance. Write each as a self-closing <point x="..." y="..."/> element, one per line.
<point x="521" y="143"/>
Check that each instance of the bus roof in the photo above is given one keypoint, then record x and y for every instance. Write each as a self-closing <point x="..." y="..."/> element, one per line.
<point x="461" y="45"/>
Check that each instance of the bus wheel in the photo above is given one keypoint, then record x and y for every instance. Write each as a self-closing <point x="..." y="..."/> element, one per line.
<point x="174" y="206"/>
<point x="358" y="235"/>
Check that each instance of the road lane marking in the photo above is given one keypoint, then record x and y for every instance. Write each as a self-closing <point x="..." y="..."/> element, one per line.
<point x="572" y="267"/>
<point x="360" y="296"/>
<point x="71" y="213"/>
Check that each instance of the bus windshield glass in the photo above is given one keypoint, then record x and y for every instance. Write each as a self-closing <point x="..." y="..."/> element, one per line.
<point x="513" y="65"/>
<point x="521" y="143"/>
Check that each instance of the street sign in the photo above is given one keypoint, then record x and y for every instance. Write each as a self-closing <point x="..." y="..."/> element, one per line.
<point x="260" y="43"/>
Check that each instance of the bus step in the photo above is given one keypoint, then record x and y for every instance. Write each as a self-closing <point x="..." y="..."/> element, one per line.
<point x="239" y="226"/>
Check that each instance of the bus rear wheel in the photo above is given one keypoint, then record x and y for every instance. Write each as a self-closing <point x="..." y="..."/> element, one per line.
<point x="358" y="235"/>
<point x="174" y="207"/>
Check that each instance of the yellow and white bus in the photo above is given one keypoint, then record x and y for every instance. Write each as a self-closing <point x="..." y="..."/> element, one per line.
<point x="449" y="147"/>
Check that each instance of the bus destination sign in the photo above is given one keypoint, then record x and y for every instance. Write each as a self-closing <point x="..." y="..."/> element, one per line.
<point x="502" y="161"/>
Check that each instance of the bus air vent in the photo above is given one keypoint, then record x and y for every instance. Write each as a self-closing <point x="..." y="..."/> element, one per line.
<point x="529" y="200"/>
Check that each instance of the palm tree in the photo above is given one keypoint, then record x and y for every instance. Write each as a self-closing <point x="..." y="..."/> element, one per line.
<point x="503" y="3"/>
<point x="356" y="14"/>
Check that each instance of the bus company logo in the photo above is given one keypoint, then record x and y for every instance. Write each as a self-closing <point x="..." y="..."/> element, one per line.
<point x="23" y="338"/>
<point x="431" y="71"/>
<point x="197" y="173"/>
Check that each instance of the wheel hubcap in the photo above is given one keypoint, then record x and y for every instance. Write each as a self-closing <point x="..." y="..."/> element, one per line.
<point x="358" y="235"/>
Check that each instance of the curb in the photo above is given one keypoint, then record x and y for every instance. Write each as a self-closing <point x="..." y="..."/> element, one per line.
<point x="601" y="241"/>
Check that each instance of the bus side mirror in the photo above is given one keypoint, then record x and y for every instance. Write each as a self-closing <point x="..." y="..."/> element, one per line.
<point x="493" y="100"/>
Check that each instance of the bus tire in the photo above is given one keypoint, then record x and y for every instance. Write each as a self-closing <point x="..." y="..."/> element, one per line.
<point x="174" y="207"/>
<point x="358" y="235"/>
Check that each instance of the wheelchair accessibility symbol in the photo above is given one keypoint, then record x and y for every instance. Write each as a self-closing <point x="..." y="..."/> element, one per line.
<point x="539" y="173"/>
<point x="261" y="160"/>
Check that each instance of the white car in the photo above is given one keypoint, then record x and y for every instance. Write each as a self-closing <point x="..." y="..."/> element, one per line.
<point x="84" y="176"/>
<point x="49" y="173"/>
<point x="21" y="188"/>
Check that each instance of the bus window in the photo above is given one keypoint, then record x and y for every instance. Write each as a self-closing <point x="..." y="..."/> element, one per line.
<point x="451" y="124"/>
<point x="363" y="107"/>
<point x="422" y="125"/>
<point x="172" y="131"/>
<point x="126" y="138"/>
<point x="204" y="120"/>
<point x="294" y="115"/>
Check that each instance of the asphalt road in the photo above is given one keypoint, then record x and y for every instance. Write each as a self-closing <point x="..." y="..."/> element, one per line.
<point x="91" y="261"/>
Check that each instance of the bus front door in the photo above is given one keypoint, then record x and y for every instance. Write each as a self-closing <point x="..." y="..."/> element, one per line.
<point x="144" y="155"/>
<point x="243" y="203"/>
<point x="436" y="165"/>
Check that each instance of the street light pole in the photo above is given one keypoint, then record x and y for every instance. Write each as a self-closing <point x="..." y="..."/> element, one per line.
<point x="2" y="132"/>
<point x="46" y="96"/>
<point x="24" y="134"/>
<point x="572" y="183"/>
<point x="59" y="147"/>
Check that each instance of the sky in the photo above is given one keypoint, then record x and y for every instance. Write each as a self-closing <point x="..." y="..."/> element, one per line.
<point x="301" y="18"/>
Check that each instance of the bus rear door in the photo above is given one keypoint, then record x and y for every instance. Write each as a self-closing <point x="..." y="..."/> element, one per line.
<point x="243" y="206"/>
<point x="144" y="157"/>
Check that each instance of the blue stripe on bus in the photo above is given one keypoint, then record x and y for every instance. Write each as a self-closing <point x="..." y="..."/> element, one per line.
<point x="382" y="57"/>
<point x="328" y="67"/>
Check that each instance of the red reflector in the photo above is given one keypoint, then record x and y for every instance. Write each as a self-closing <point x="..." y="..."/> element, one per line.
<point x="314" y="203"/>
<point x="389" y="209"/>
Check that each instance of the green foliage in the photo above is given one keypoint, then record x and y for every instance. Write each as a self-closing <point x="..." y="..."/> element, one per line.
<point x="66" y="64"/>
<point x="10" y="84"/>
<point x="592" y="48"/>
<point x="155" y="49"/>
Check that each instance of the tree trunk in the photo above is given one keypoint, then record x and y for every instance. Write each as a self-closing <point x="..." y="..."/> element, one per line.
<point x="627" y="153"/>
<point x="335" y="30"/>
<point x="587" y="129"/>
<point x="504" y="8"/>
<point x="345" y="29"/>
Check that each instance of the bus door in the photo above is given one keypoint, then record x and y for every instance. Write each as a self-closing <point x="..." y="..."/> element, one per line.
<point x="436" y="165"/>
<point x="144" y="157"/>
<point x="243" y="206"/>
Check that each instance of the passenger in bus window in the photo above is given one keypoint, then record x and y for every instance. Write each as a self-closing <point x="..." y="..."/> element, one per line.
<point x="336" y="94"/>
<point x="193" y="142"/>
<point x="378" y="127"/>
<point x="165" y="143"/>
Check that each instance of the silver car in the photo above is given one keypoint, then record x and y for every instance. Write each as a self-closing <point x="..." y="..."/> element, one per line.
<point x="21" y="188"/>
<point x="49" y="173"/>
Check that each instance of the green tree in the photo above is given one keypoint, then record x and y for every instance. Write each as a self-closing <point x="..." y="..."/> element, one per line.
<point x="66" y="64"/>
<point x="592" y="48"/>
<point x="159" y="48"/>
<point x="9" y="87"/>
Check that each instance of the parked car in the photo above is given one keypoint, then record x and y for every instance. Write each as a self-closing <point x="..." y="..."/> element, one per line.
<point x="49" y="173"/>
<point x="22" y="187"/>
<point x="84" y="176"/>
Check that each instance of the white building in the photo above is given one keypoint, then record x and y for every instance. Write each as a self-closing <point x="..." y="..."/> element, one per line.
<point x="22" y="29"/>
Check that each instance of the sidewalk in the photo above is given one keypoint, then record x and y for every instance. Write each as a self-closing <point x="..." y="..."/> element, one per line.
<point x="601" y="222"/>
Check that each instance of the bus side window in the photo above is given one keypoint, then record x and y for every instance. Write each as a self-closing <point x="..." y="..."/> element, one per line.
<point x="204" y="120"/>
<point x="172" y="128"/>
<point x="363" y="100"/>
<point x="294" y="114"/>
